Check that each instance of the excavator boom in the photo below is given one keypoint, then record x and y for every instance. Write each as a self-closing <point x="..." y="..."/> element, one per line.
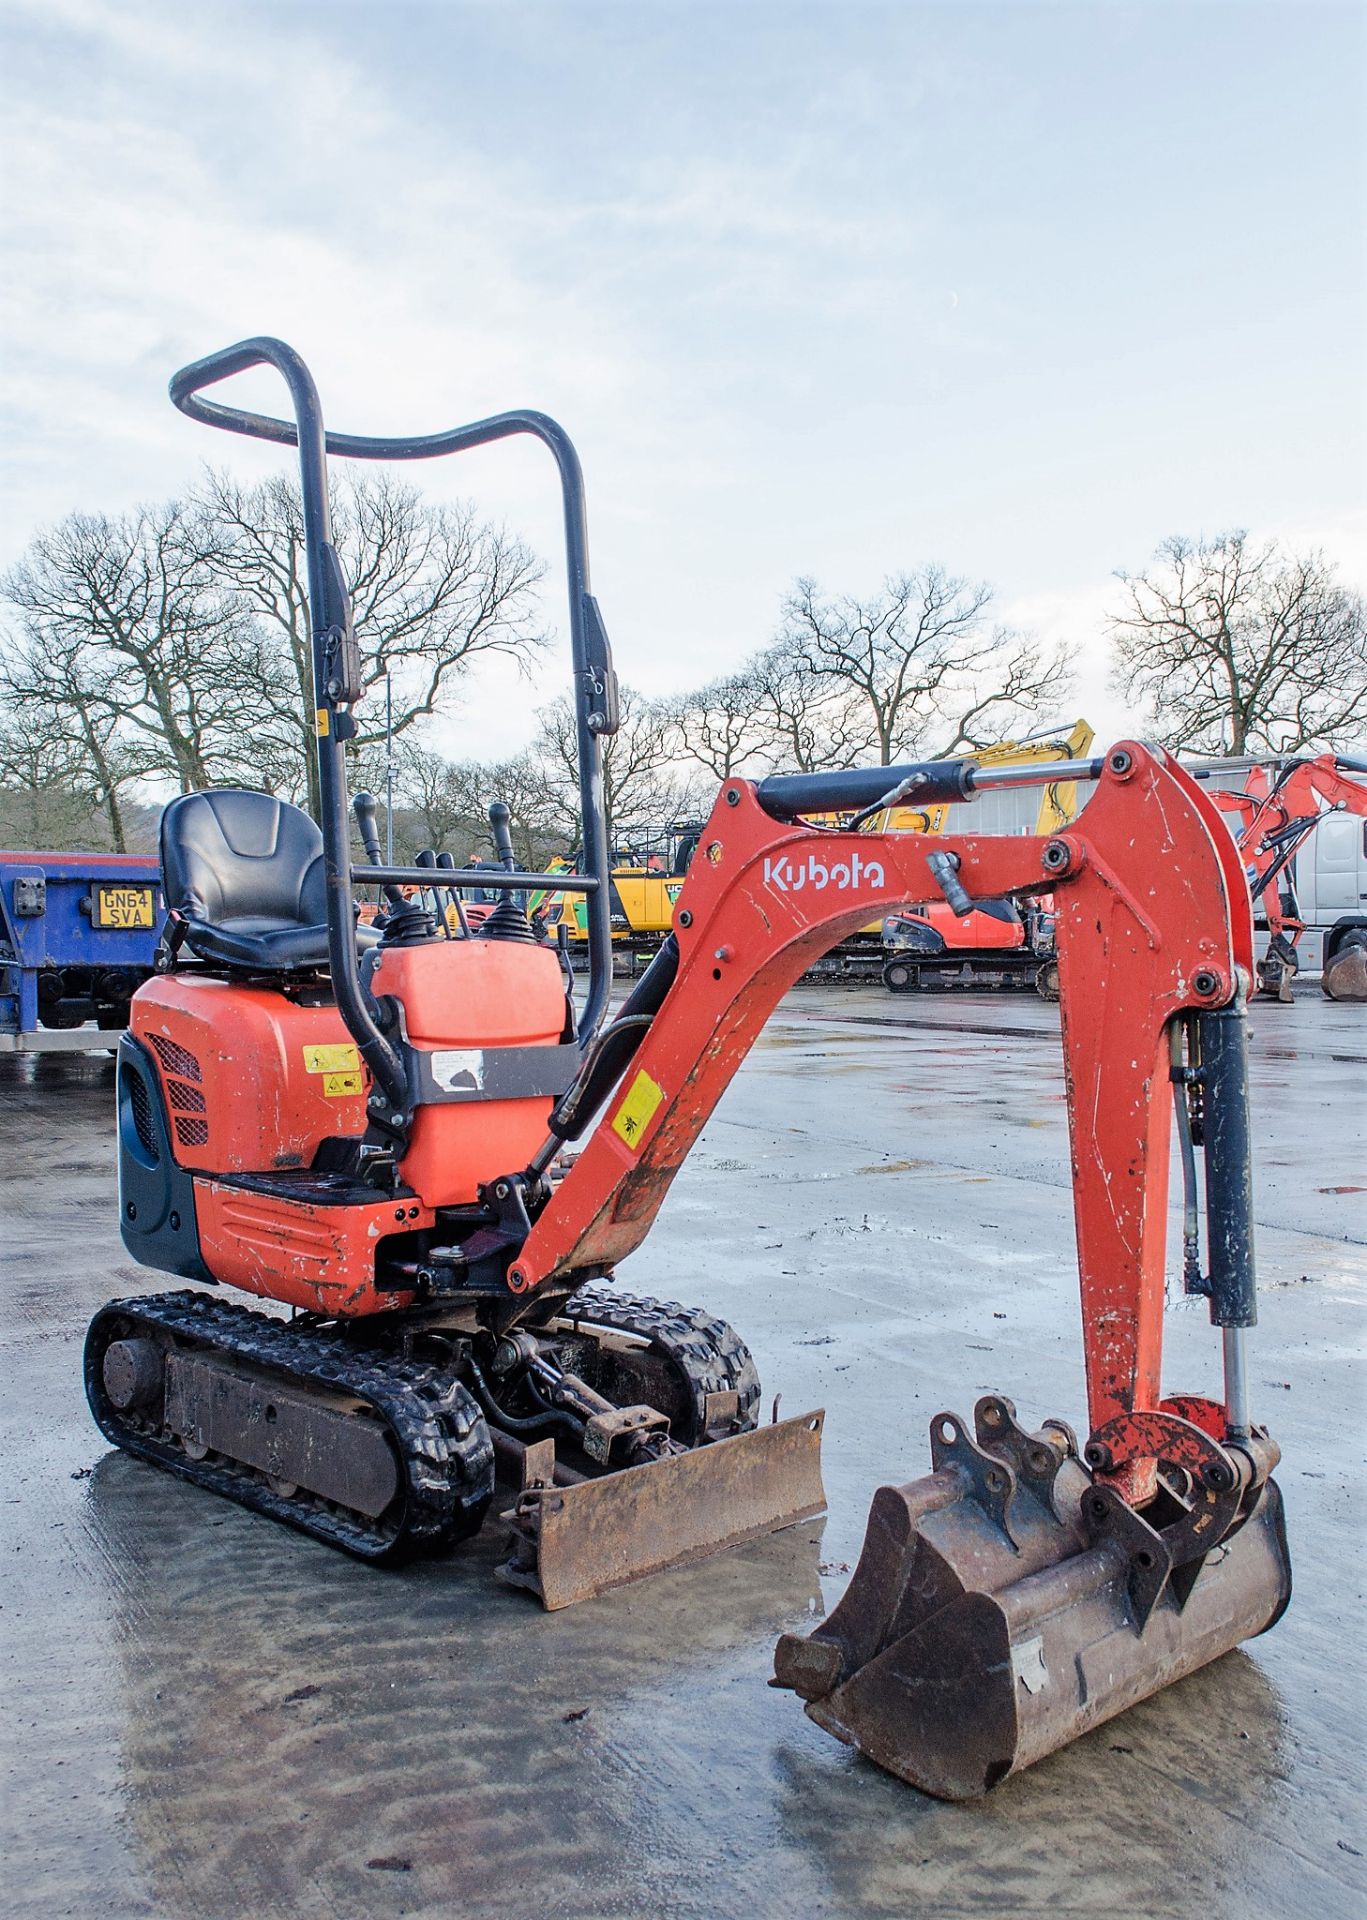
<point x="767" y="894"/>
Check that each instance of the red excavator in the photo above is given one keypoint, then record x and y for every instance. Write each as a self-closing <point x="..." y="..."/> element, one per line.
<point x="369" y="1128"/>
<point x="1278" y="809"/>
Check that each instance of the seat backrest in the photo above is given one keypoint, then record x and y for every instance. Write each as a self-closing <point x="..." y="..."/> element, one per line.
<point x="237" y="855"/>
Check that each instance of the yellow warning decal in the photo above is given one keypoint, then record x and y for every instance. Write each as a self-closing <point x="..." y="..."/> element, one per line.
<point x="335" y="1085"/>
<point x="637" y="1110"/>
<point x="323" y="723"/>
<point x="341" y="1057"/>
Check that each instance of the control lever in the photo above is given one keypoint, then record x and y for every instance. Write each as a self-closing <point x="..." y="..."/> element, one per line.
<point x="453" y="899"/>
<point x="429" y="859"/>
<point x="508" y="921"/>
<point x="363" y="806"/>
<point x="944" y="870"/>
<point x="499" y="817"/>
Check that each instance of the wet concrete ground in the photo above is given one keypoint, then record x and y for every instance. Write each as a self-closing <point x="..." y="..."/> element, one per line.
<point x="205" y="1715"/>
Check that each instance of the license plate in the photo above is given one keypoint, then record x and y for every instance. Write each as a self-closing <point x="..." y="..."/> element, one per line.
<point x="125" y="907"/>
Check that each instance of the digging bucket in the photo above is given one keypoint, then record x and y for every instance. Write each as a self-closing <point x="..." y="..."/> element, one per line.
<point x="1006" y="1603"/>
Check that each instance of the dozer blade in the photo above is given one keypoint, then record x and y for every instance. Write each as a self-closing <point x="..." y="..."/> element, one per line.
<point x="1005" y="1604"/>
<point x="570" y="1543"/>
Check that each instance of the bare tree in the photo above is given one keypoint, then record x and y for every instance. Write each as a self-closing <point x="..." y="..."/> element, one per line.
<point x="916" y="662"/>
<point x="643" y="788"/>
<point x="723" y="726"/>
<point x="444" y="804"/>
<point x="41" y="803"/>
<point x="432" y="588"/>
<point x="126" y="636"/>
<point x="61" y="732"/>
<point x="810" y="721"/>
<point x="1242" y="648"/>
<point x="436" y="800"/>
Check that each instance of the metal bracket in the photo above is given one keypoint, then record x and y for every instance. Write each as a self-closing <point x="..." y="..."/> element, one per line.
<point x="538" y="1465"/>
<point x="30" y="897"/>
<point x="992" y="1481"/>
<point x="1035" y="1459"/>
<point x="1148" y="1561"/>
<point x="720" y="1412"/>
<point x="445" y="1075"/>
<point x="605" y="1431"/>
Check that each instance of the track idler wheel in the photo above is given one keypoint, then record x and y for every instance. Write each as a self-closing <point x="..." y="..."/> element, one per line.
<point x="901" y="976"/>
<point x="1007" y="1603"/>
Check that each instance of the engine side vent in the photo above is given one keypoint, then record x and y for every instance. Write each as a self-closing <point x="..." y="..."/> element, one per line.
<point x="175" y="1058"/>
<point x="140" y="1105"/>
<point x="192" y="1133"/>
<point x="185" y="1099"/>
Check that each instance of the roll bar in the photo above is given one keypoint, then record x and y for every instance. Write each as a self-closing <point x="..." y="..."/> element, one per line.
<point x="336" y="660"/>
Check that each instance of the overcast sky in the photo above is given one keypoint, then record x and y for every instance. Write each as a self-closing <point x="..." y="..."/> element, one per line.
<point x="824" y="288"/>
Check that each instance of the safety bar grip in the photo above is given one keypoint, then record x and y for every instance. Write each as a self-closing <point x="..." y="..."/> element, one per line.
<point x="380" y="875"/>
<point x="1229" y="1167"/>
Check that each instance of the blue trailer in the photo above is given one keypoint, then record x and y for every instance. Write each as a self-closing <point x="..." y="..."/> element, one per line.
<point x="78" y="936"/>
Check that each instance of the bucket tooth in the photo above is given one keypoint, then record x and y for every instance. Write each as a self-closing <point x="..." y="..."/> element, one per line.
<point x="571" y="1543"/>
<point x="961" y="1652"/>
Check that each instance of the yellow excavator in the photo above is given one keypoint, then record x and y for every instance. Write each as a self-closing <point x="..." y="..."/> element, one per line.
<point x="647" y="878"/>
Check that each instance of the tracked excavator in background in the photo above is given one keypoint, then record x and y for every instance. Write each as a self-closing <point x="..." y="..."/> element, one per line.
<point x="1278" y="809"/>
<point x="1002" y="943"/>
<point x="372" y="1131"/>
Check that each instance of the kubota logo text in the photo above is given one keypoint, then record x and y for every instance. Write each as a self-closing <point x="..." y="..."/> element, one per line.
<point x="844" y="876"/>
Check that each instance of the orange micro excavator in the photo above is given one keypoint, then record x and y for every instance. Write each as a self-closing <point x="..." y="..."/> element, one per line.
<point x="369" y="1127"/>
<point x="1278" y="809"/>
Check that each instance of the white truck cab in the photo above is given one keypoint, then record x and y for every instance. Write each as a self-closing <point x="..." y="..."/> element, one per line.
<point x="1331" y="886"/>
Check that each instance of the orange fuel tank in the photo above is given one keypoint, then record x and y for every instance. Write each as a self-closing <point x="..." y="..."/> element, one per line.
<point x="462" y="996"/>
<point x="254" y="1080"/>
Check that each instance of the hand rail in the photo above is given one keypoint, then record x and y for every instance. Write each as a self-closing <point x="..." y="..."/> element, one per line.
<point x="597" y="712"/>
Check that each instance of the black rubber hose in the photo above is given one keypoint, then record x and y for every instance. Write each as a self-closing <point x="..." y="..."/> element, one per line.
<point x="609" y="1058"/>
<point x="550" y="1421"/>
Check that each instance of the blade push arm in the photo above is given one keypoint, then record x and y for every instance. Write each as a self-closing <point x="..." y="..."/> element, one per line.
<point x="1153" y="922"/>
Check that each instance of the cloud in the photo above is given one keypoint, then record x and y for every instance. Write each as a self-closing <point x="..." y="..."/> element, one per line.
<point x="723" y="258"/>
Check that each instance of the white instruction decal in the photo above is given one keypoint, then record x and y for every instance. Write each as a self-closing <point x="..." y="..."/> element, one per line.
<point x="1027" y="1663"/>
<point x="458" y="1072"/>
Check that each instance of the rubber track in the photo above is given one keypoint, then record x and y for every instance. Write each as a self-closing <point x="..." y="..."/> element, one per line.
<point x="442" y="1439"/>
<point x="708" y="1352"/>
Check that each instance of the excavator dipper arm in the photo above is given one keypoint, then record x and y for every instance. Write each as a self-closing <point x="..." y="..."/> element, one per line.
<point x="1153" y="923"/>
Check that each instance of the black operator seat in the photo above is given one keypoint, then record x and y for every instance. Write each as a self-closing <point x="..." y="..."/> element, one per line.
<point x="245" y="873"/>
